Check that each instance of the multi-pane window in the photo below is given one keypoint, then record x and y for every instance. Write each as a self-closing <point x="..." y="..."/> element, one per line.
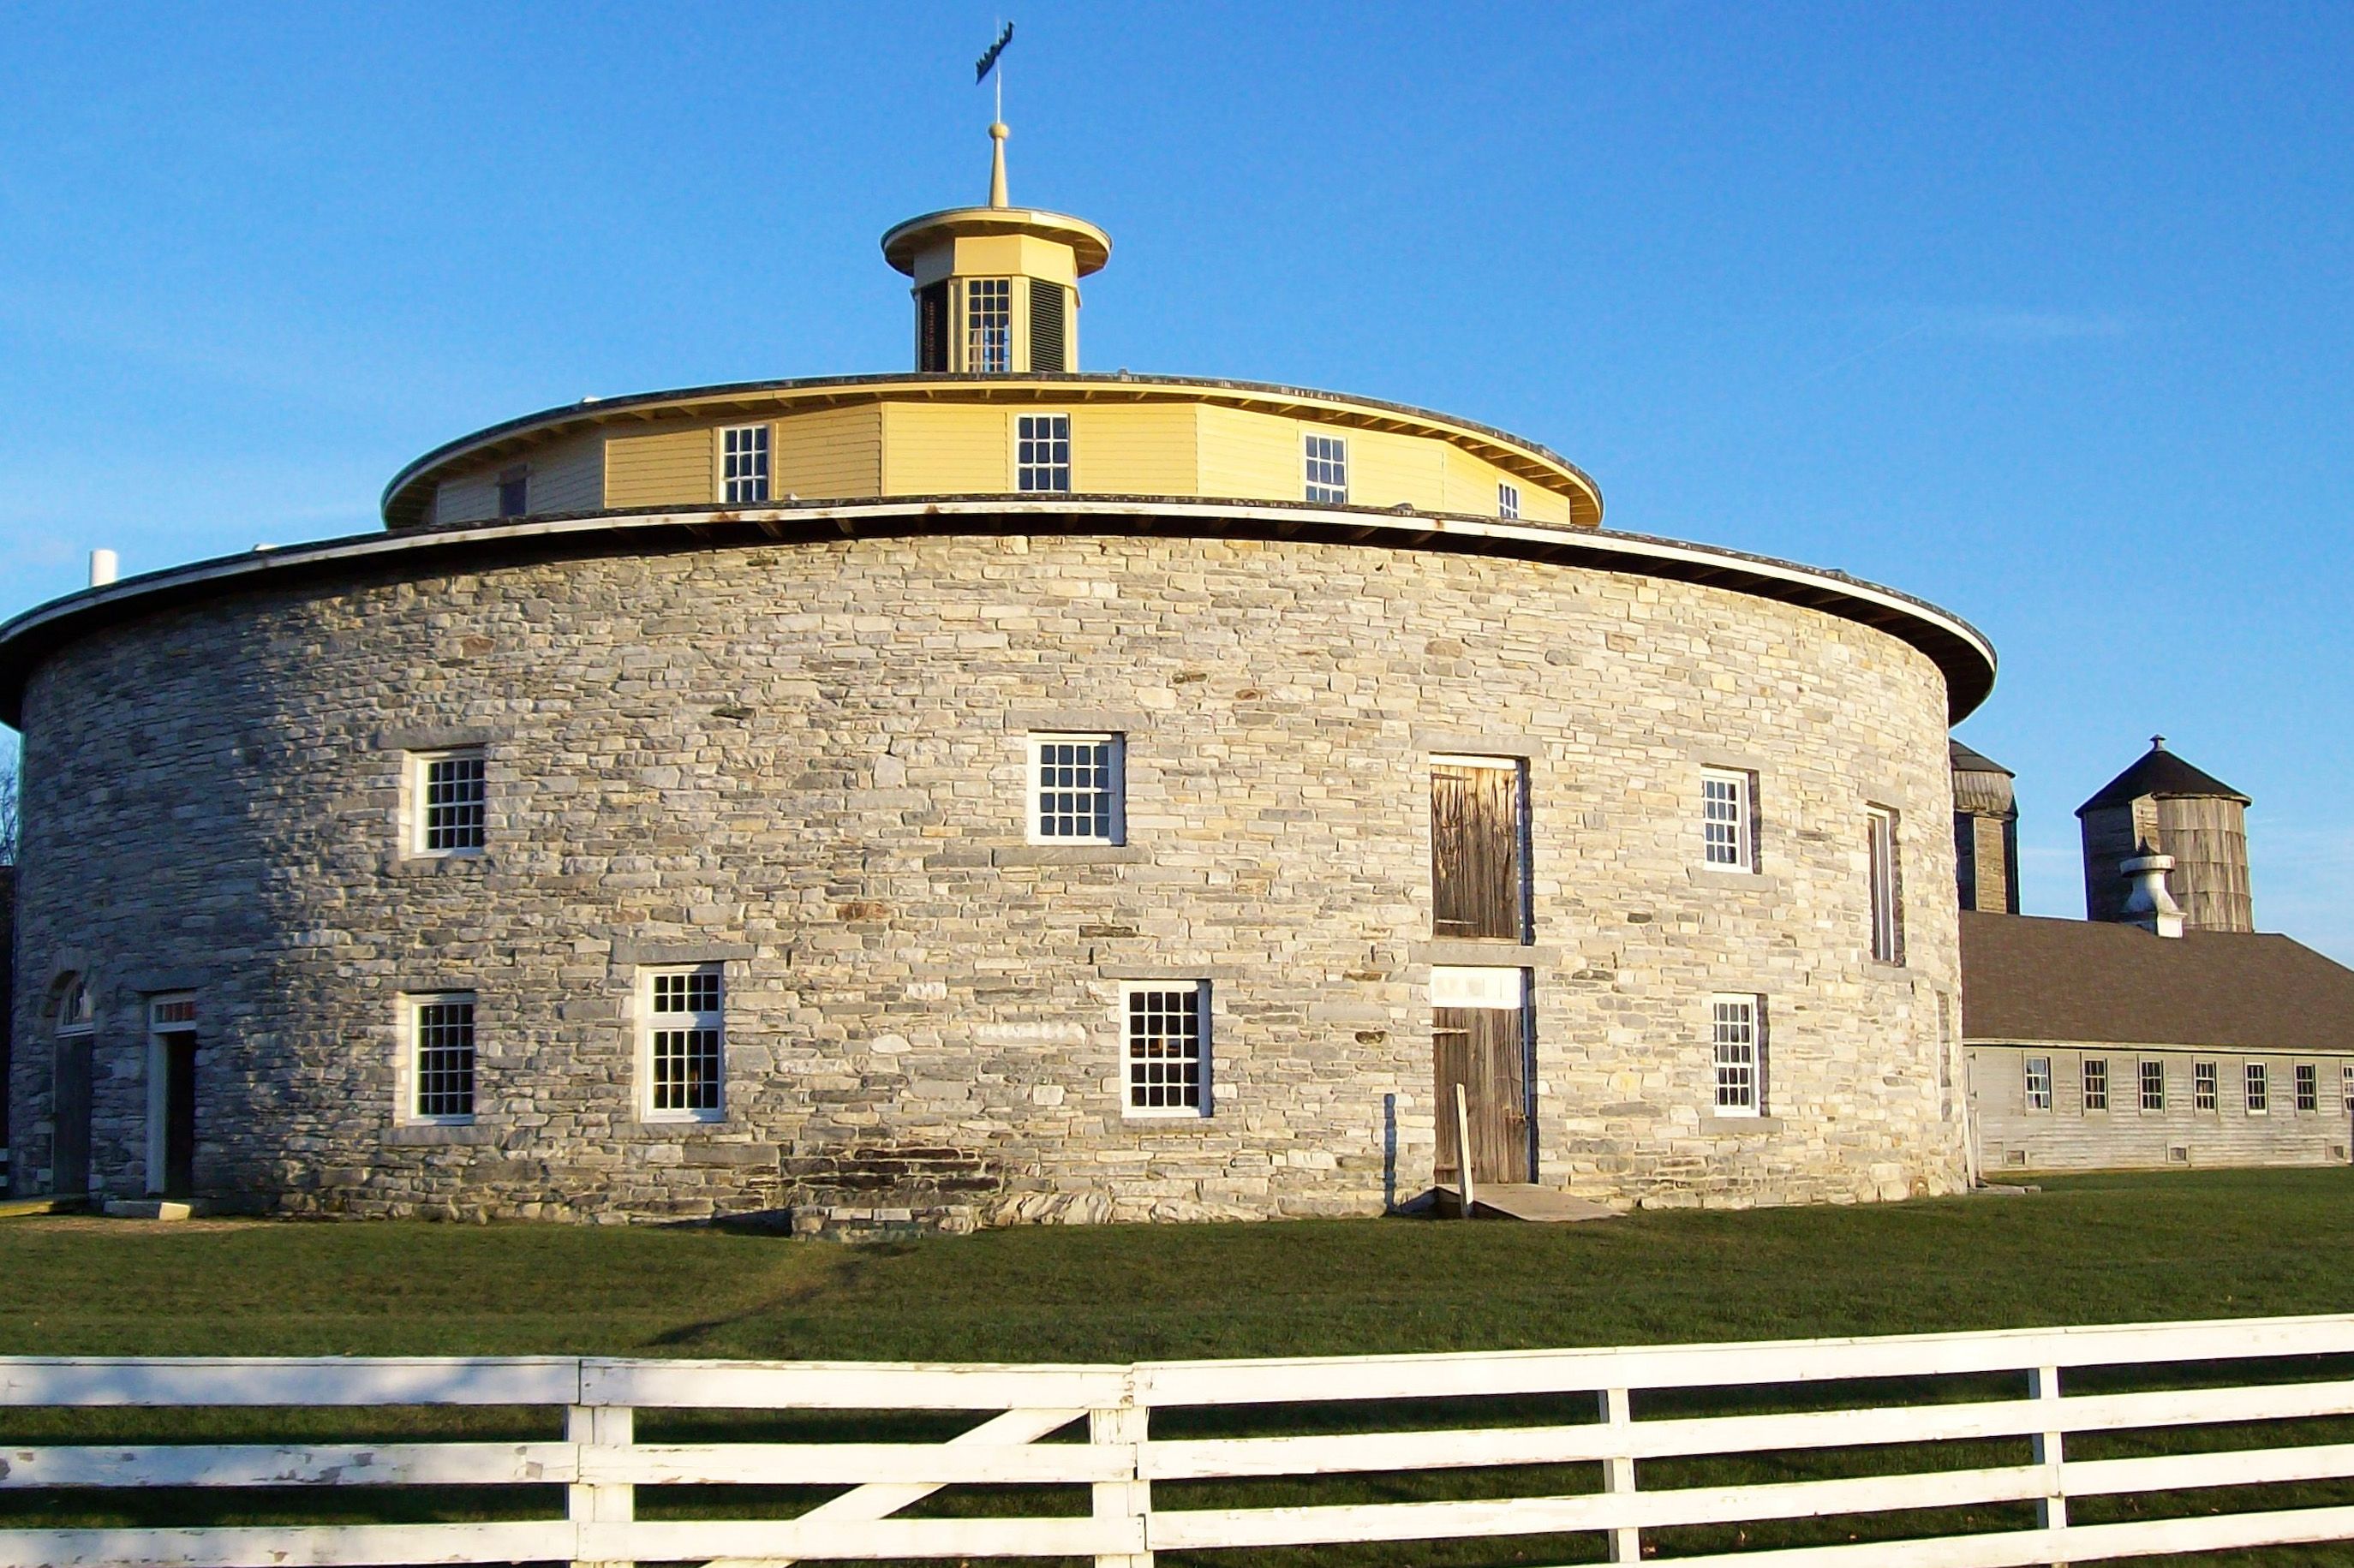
<point x="1328" y="468"/>
<point x="1042" y="452"/>
<point x="1740" y="1064"/>
<point x="2153" y="1085"/>
<point x="1885" y="886"/>
<point x="1508" y="502"/>
<point x="1074" y="790"/>
<point x="685" y="1044"/>
<point x="988" y="325"/>
<point x="1167" y="1026"/>
<point x="2096" y="1084"/>
<point x="2308" y="1086"/>
<point x="2346" y="1087"/>
<point x="1727" y="842"/>
<point x="442" y="1066"/>
<point x="744" y="463"/>
<point x="2259" y="1088"/>
<point x="450" y="801"/>
<point x="2203" y="1085"/>
<point x="2039" y="1082"/>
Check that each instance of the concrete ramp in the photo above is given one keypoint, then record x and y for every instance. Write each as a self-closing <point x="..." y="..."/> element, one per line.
<point x="1524" y="1201"/>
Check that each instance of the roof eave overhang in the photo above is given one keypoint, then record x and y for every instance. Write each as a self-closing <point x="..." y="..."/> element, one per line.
<point x="1090" y="246"/>
<point x="1959" y="651"/>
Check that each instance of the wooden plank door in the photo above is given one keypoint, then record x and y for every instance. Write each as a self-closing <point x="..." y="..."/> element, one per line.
<point x="1474" y="851"/>
<point x="1485" y="1049"/>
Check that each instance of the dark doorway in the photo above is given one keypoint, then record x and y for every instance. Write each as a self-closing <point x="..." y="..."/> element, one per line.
<point x="179" y="1062"/>
<point x="1485" y="1049"/>
<point x="69" y="1144"/>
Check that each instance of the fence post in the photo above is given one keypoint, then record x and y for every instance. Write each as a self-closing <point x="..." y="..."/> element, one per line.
<point x="1618" y="1470"/>
<point x="1126" y="1424"/>
<point x="599" y="1426"/>
<point x="2051" y="1511"/>
<point x="1463" y="1151"/>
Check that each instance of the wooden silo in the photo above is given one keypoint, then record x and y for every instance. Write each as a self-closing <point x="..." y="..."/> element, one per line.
<point x="2180" y="810"/>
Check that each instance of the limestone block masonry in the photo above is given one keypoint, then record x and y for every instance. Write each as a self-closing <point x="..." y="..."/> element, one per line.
<point x="806" y="763"/>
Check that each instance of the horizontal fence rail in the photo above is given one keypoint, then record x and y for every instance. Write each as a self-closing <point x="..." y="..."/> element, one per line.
<point x="1064" y="1462"/>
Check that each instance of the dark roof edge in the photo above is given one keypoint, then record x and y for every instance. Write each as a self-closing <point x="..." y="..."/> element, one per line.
<point x="1969" y="759"/>
<point x="1959" y="649"/>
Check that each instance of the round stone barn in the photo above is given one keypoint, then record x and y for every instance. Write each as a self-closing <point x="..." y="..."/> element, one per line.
<point x="987" y="794"/>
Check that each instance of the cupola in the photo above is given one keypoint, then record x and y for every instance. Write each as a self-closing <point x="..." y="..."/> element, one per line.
<point x="997" y="287"/>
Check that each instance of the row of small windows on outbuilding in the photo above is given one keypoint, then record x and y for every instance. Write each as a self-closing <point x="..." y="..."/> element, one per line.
<point x="2149" y="1090"/>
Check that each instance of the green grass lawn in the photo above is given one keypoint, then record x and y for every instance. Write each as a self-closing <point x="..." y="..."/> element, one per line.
<point x="2087" y="1249"/>
<point x="2096" y="1248"/>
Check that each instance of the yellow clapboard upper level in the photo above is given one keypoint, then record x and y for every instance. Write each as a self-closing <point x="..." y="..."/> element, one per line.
<point x="880" y="437"/>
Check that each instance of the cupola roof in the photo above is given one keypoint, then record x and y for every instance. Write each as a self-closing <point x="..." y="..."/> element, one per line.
<point x="905" y="244"/>
<point x="2158" y="771"/>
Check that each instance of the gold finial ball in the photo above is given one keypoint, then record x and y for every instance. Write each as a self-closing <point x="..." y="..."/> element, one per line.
<point x="997" y="131"/>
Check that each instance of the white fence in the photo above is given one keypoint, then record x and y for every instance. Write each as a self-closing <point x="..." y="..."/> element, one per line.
<point x="1112" y="1516"/>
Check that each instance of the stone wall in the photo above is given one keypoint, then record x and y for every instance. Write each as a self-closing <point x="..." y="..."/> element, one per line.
<point x="807" y="763"/>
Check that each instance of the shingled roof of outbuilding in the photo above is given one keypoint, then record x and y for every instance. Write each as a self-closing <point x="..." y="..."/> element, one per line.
<point x="2158" y="771"/>
<point x="1967" y="760"/>
<point x="2025" y="978"/>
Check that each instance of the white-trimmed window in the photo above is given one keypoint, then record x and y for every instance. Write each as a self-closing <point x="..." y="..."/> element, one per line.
<point x="2204" y="1079"/>
<point x="2096" y="1084"/>
<point x="449" y="794"/>
<point x="1508" y="501"/>
<point x="1042" y="452"/>
<point x="1727" y="843"/>
<point x="1885" y="886"/>
<point x="2258" y="1079"/>
<point x="2308" y="1086"/>
<point x="988" y="325"/>
<point x="1737" y="1030"/>
<point x="1166" y="1026"/>
<point x="685" y="1058"/>
<point x="2153" y="1085"/>
<point x="1327" y="459"/>
<point x="2346" y="1087"/>
<point x="2039" y="1082"/>
<point x="1075" y="789"/>
<point x="75" y="1013"/>
<point x="442" y="1057"/>
<point x="744" y="463"/>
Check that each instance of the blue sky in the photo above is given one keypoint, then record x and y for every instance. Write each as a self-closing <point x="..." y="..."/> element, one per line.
<point x="2044" y="313"/>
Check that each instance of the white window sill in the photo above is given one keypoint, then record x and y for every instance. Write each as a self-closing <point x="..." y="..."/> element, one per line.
<point x="1172" y="1119"/>
<point x="1727" y="877"/>
<point x="1064" y="852"/>
<point x="427" y="1134"/>
<point x="438" y="863"/>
